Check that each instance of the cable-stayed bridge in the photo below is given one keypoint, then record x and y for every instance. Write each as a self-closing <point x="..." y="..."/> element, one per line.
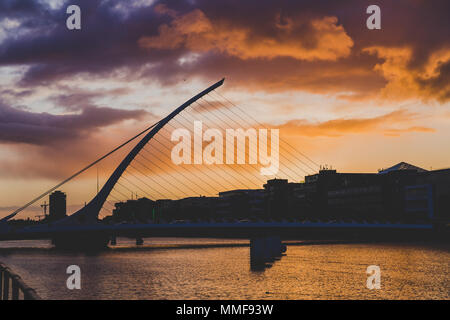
<point x="144" y="170"/>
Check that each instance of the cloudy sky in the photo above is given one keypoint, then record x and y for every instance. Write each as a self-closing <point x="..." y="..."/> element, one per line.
<point x="343" y="95"/>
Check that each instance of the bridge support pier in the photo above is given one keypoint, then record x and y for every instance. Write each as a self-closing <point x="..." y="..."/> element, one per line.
<point x="264" y="250"/>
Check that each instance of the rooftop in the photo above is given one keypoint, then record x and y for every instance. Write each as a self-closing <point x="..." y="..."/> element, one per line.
<point x="401" y="166"/>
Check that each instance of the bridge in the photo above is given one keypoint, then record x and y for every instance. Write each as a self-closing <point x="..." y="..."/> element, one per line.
<point x="82" y="229"/>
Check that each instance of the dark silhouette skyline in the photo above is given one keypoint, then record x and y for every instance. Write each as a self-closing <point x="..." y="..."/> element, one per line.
<point x="402" y="193"/>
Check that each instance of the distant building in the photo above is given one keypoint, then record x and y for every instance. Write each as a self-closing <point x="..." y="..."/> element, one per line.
<point x="241" y="203"/>
<point x="402" y="166"/>
<point x="360" y="196"/>
<point x="58" y="207"/>
<point x="278" y="194"/>
<point x="165" y="208"/>
<point x="196" y="208"/>
<point x="134" y="210"/>
<point x="419" y="202"/>
<point x="401" y="193"/>
<point x="431" y="192"/>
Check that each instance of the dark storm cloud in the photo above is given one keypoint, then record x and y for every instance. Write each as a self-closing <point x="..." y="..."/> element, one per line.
<point x="22" y="126"/>
<point x="21" y="7"/>
<point x="269" y="45"/>
<point x="108" y="40"/>
<point x="75" y="99"/>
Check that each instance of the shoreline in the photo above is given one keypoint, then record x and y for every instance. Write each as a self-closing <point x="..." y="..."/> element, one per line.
<point x="150" y="247"/>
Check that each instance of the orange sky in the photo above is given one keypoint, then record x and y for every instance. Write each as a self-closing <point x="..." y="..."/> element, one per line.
<point x="343" y="95"/>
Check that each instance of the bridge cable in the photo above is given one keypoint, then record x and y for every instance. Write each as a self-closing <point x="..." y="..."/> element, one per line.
<point x="248" y="115"/>
<point x="235" y="170"/>
<point x="247" y="154"/>
<point x="75" y="174"/>
<point x="281" y="145"/>
<point x="248" y="123"/>
<point x="222" y="177"/>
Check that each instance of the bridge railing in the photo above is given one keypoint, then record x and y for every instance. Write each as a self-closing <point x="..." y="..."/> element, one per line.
<point x="12" y="286"/>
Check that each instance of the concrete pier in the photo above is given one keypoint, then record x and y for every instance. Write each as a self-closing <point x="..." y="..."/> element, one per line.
<point x="264" y="250"/>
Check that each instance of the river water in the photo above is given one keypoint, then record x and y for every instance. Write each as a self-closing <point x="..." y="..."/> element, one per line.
<point x="174" y="268"/>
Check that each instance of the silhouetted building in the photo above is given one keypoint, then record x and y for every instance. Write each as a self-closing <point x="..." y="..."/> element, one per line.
<point x="289" y="200"/>
<point x="58" y="208"/>
<point x="165" y="210"/>
<point x="241" y="203"/>
<point x="196" y="208"/>
<point x="278" y="194"/>
<point x="433" y="187"/>
<point x="419" y="202"/>
<point x="400" y="167"/>
<point x="401" y="193"/>
<point x="134" y="210"/>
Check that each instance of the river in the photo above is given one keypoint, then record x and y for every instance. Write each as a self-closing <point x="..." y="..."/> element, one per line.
<point x="180" y="268"/>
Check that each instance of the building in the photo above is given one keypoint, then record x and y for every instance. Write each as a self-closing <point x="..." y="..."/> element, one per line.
<point x="419" y="202"/>
<point x="134" y="210"/>
<point x="291" y="200"/>
<point x="241" y="204"/>
<point x="402" y="193"/>
<point x="278" y="194"/>
<point x="363" y="197"/>
<point x="57" y="204"/>
<point x="196" y="208"/>
<point x="433" y="188"/>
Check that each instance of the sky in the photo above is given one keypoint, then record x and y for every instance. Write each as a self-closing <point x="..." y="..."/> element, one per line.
<point x="342" y="95"/>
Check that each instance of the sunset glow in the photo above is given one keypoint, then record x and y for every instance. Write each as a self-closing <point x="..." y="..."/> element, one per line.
<point x="341" y="95"/>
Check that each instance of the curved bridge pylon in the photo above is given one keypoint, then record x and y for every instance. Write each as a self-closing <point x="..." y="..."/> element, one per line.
<point x="90" y="212"/>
